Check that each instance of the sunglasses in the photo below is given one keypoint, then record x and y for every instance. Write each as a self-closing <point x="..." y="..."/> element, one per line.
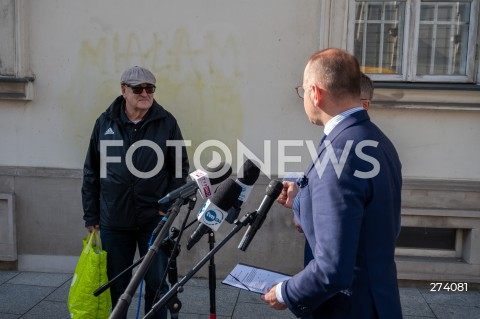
<point x="139" y="89"/>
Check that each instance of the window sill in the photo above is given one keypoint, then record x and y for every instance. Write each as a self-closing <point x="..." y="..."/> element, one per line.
<point x="20" y="89"/>
<point x="426" y="96"/>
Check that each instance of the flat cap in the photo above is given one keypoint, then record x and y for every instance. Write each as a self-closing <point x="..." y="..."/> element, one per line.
<point x="137" y="75"/>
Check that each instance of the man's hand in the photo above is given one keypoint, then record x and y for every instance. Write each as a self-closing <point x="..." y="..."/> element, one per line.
<point x="93" y="228"/>
<point x="271" y="299"/>
<point x="287" y="196"/>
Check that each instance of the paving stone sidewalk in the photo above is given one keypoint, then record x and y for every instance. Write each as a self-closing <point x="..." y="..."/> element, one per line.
<point x="35" y="295"/>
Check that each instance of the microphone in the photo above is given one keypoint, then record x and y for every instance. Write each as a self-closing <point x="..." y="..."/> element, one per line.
<point x="215" y="209"/>
<point x="273" y="191"/>
<point x="250" y="176"/>
<point x="200" y="181"/>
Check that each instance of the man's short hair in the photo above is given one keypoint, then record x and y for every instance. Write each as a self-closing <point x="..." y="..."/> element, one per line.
<point x="366" y="87"/>
<point x="337" y="71"/>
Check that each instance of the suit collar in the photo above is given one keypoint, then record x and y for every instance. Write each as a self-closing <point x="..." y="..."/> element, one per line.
<point x="350" y="120"/>
<point x="333" y="122"/>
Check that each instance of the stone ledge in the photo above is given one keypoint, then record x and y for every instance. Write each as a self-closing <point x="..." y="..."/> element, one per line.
<point x="409" y="183"/>
<point x="441" y="185"/>
<point x="445" y="277"/>
<point x="408" y="211"/>
<point x="437" y="269"/>
<point x="445" y="99"/>
<point x="40" y="172"/>
<point x="20" y="89"/>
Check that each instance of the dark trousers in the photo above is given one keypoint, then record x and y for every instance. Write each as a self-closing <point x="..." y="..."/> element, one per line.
<point x="120" y="247"/>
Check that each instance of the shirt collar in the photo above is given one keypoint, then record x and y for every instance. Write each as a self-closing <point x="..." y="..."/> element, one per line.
<point x="334" y="121"/>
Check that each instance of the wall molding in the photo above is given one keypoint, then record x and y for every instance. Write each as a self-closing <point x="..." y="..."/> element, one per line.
<point x="22" y="171"/>
<point x="441" y="184"/>
<point x="409" y="183"/>
<point x="404" y="98"/>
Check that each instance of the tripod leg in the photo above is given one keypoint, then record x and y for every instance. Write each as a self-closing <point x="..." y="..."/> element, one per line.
<point x="212" y="276"/>
<point x="175" y="305"/>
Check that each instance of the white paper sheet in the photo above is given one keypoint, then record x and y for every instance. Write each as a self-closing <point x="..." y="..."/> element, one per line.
<point x="253" y="279"/>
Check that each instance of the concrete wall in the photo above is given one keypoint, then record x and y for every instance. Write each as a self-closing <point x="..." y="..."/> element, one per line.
<point x="50" y="229"/>
<point x="227" y="71"/>
<point x="223" y="68"/>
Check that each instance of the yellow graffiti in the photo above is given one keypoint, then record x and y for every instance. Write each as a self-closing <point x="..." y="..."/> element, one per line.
<point x="199" y="80"/>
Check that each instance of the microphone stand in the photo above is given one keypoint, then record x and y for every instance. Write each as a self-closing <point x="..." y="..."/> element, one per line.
<point x="107" y="285"/>
<point x="212" y="276"/>
<point x="178" y="287"/>
<point x="173" y="250"/>
<point x="125" y="299"/>
<point x="165" y="244"/>
<point x="104" y="287"/>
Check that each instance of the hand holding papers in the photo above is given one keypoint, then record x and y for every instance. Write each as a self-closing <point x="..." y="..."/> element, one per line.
<point x="254" y="279"/>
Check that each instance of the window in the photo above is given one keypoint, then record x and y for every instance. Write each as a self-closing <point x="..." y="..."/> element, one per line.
<point x="415" y="40"/>
<point x="15" y="75"/>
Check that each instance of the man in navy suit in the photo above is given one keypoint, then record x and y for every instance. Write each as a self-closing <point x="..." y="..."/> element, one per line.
<point x="348" y="204"/>
<point x="366" y="95"/>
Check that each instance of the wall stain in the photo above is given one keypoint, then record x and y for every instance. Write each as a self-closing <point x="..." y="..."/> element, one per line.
<point x="199" y="79"/>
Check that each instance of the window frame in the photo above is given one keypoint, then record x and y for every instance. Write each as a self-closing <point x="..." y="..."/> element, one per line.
<point x="411" y="31"/>
<point x="18" y="85"/>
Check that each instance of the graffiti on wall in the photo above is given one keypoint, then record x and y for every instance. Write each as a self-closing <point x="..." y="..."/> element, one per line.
<point x="200" y="78"/>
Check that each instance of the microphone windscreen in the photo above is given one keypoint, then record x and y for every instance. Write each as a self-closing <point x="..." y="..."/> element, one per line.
<point x="250" y="173"/>
<point x="274" y="188"/>
<point x="226" y="194"/>
<point x="218" y="179"/>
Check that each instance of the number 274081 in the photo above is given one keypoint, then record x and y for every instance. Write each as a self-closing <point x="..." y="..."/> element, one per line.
<point x="449" y="286"/>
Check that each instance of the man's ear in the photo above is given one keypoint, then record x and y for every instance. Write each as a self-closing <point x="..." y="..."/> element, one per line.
<point x="366" y="104"/>
<point x="318" y="95"/>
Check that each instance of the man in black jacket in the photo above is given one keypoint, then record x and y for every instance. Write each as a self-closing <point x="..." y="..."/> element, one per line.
<point x="131" y="163"/>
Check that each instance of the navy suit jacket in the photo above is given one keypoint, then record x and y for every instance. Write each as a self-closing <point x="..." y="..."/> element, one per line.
<point x="350" y="214"/>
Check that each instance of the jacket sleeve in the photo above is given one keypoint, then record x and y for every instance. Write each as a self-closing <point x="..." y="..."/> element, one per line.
<point x="337" y="205"/>
<point x="91" y="181"/>
<point x="177" y="164"/>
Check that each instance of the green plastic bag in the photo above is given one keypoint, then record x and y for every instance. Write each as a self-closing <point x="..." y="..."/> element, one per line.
<point x="90" y="274"/>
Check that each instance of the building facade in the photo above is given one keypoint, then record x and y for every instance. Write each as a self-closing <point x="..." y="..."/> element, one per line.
<point x="227" y="71"/>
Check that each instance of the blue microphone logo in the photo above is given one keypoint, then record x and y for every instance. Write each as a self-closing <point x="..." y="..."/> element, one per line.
<point x="213" y="217"/>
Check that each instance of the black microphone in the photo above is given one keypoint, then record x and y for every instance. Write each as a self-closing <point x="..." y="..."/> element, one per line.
<point x="273" y="191"/>
<point x="214" y="211"/>
<point x="201" y="181"/>
<point x="250" y="176"/>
